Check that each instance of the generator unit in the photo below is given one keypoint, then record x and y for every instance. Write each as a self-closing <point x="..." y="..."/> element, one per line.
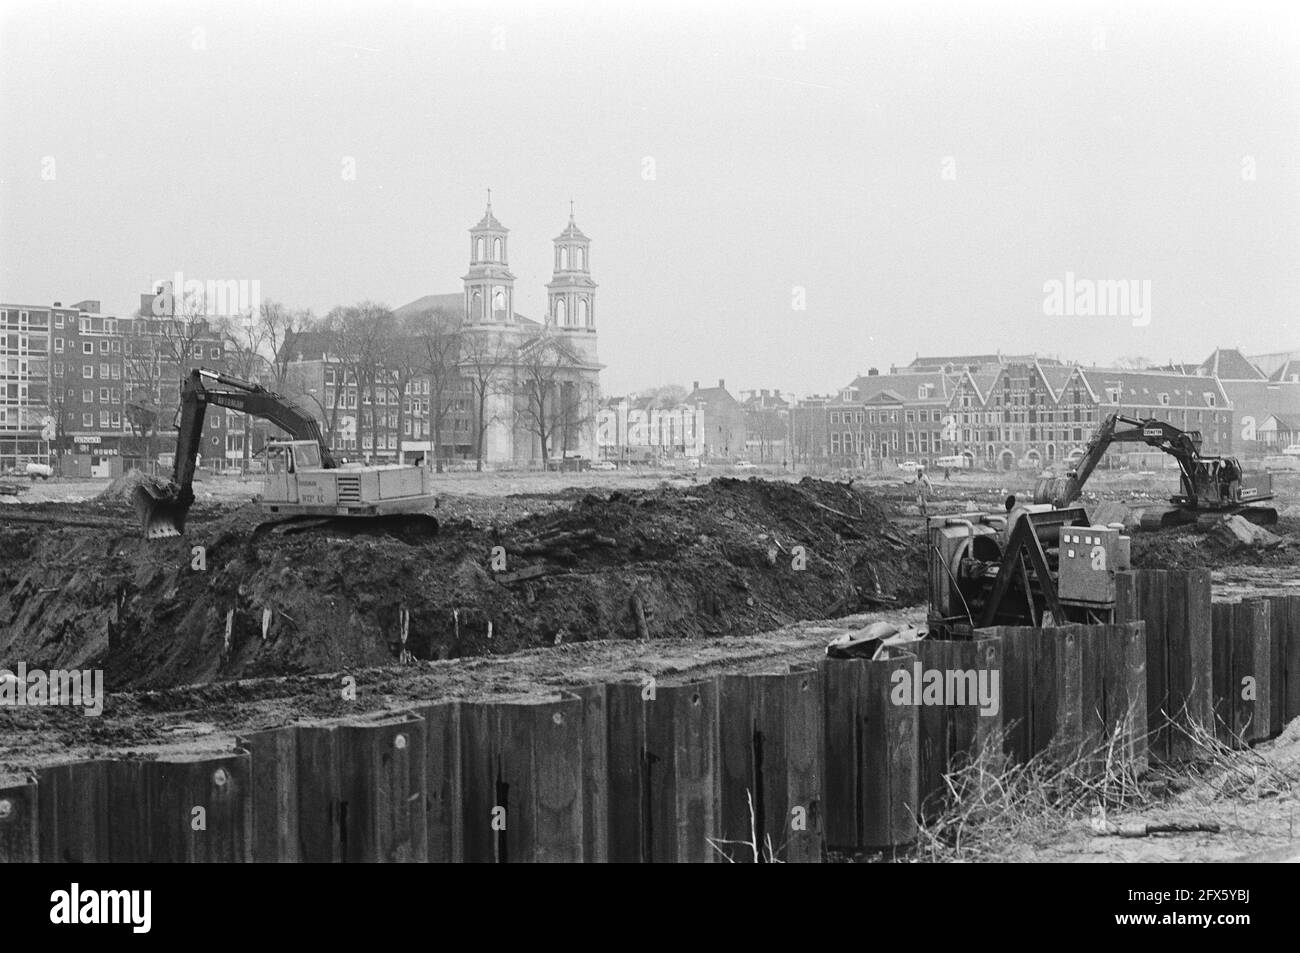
<point x="1036" y="564"/>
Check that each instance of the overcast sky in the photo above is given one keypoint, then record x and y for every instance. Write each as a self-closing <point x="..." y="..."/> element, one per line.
<point x="920" y="171"/>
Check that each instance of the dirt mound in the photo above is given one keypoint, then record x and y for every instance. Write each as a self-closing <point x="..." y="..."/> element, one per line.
<point x="1192" y="548"/>
<point x="729" y="557"/>
<point x="122" y="487"/>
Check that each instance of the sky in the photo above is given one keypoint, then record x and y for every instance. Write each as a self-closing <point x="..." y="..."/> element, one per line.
<point x="778" y="195"/>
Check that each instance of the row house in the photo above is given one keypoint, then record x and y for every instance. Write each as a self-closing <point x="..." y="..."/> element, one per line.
<point x="646" y="429"/>
<point x="1016" y="413"/>
<point x="767" y="426"/>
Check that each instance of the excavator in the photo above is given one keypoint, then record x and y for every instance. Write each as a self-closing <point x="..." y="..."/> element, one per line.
<point x="1210" y="485"/>
<point x="305" y="483"/>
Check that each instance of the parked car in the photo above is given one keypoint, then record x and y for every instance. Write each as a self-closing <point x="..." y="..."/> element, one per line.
<point x="1292" y="451"/>
<point x="745" y="465"/>
<point x="911" y="466"/>
<point x="604" y="465"/>
<point x="42" y="470"/>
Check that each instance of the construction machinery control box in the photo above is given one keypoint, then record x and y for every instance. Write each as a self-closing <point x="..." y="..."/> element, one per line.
<point x="1089" y="558"/>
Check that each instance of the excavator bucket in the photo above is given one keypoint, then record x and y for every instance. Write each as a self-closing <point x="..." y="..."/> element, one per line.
<point x="161" y="512"/>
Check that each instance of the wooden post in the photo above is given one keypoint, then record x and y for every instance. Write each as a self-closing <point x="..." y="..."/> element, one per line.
<point x="381" y="790"/>
<point x="1250" y="669"/>
<point x="770" y="738"/>
<point x="1223" y="615"/>
<point x="130" y="812"/>
<point x="274" y="764"/>
<point x="949" y="736"/>
<point x="681" y="744"/>
<point x="201" y="808"/>
<point x="1292" y="658"/>
<point x="595" y="774"/>
<point x="444" y="807"/>
<point x="1279" y="620"/>
<point x="320" y="826"/>
<point x="74" y="812"/>
<point x="627" y="789"/>
<point x="871" y="752"/>
<point x="523" y="770"/>
<point x="19" y="828"/>
<point x="1153" y="591"/>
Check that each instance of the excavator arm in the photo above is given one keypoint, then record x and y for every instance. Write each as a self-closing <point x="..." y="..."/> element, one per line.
<point x="1184" y="446"/>
<point x="163" y="507"/>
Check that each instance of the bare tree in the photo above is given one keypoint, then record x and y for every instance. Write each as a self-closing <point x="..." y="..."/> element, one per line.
<point x="483" y="362"/>
<point x="358" y="334"/>
<point x="280" y="330"/>
<point x="546" y="371"/>
<point x="404" y="359"/>
<point x="440" y="333"/>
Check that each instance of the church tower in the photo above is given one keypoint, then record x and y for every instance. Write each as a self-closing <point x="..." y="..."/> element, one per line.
<point x="489" y="285"/>
<point x="571" y="294"/>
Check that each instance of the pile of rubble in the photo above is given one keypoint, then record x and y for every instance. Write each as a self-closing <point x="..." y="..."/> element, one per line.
<point x="729" y="557"/>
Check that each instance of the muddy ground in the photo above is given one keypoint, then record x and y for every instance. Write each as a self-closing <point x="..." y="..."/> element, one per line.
<point x="719" y="559"/>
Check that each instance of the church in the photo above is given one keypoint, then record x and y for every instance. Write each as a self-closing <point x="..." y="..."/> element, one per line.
<point x="537" y="381"/>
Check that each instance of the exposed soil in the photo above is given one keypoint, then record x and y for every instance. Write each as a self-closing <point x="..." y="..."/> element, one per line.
<point x="80" y="589"/>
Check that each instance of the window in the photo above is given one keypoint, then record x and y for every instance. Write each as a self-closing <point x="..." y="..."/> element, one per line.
<point x="58" y="370"/>
<point x="1209" y="399"/>
<point x="216" y="422"/>
<point x="103" y="346"/>
<point x="87" y="420"/>
<point x="87" y="347"/>
<point x="88" y="371"/>
<point x="103" y="395"/>
<point x="117" y="420"/>
<point x="58" y="345"/>
<point x="496" y="249"/>
<point x="198" y="352"/>
<point x="58" y="320"/>
<point x="117" y="372"/>
<point x="87" y="396"/>
<point x="104" y="418"/>
<point x="835" y="417"/>
<point x="1164" y="399"/>
<point x="214" y="353"/>
<point x="103" y="372"/>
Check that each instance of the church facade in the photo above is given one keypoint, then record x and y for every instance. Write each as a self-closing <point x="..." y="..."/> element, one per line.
<point x="537" y="381"/>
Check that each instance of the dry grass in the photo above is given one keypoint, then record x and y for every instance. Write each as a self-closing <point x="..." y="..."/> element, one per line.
<point x="991" y="806"/>
<point x="991" y="803"/>
<point x="747" y="851"/>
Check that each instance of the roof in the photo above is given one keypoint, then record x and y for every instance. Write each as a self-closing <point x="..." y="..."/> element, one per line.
<point x="489" y="222"/>
<point x="907" y="383"/>
<point x="1145" y="386"/>
<point x="451" y="304"/>
<point x="959" y="361"/>
<point x="1289" y="370"/>
<point x="1228" y="363"/>
<point x="572" y="231"/>
<point x="1283" y="423"/>
<point x="710" y="394"/>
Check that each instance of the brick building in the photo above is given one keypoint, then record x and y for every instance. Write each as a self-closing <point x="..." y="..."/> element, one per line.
<point x="722" y="419"/>
<point x="28" y="420"/>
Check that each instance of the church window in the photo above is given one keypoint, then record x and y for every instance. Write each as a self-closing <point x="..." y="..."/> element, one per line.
<point x="564" y="258"/>
<point x="478" y="249"/>
<point x="560" y="312"/>
<point x="496" y="249"/>
<point x="583" y="318"/>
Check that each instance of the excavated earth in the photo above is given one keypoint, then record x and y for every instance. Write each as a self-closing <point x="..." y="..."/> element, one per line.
<point x="80" y="589"/>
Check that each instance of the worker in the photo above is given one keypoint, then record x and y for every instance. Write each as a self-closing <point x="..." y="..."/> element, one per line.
<point x="947" y="474"/>
<point x="923" y="489"/>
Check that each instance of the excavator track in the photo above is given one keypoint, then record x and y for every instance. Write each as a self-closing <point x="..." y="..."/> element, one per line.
<point x="413" y="528"/>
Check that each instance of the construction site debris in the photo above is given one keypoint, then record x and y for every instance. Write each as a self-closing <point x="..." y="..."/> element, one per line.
<point x="653" y="563"/>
